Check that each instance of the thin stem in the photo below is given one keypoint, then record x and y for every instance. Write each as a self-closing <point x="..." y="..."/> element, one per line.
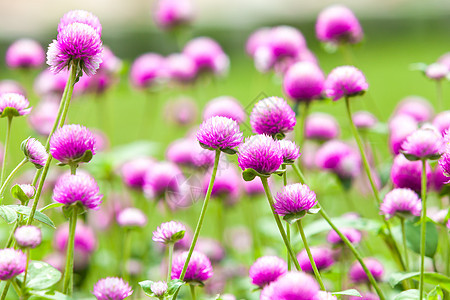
<point x="311" y="259"/>
<point x="10" y="177"/>
<point x="288" y="226"/>
<point x="39" y="189"/>
<point x="169" y="268"/>
<point x="192" y="287"/>
<point x="73" y="169"/>
<point x="11" y="234"/>
<point x="71" y="83"/>
<point x="68" y="271"/>
<point x="439" y="95"/>
<point x="5" y="290"/>
<point x="24" y="284"/>
<point x="302" y="121"/>
<point x="299" y="173"/>
<point x="279" y="225"/>
<point x="423" y="228"/>
<point x="16" y="287"/>
<point x="405" y="246"/>
<point x="5" y="154"/>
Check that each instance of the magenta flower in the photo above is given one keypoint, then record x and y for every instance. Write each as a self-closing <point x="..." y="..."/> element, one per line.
<point x="159" y="288"/>
<point x="345" y="81"/>
<point x="74" y="189"/>
<point x="357" y="273"/>
<point x="162" y="178"/>
<point x="199" y="267"/>
<point x="436" y="71"/>
<point x="188" y="152"/>
<point x="70" y="143"/>
<point x="442" y="121"/>
<point x="295" y="198"/>
<point x="85" y="241"/>
<point x="323" y="258"/>
<point x="304" y="81"/>
<point x="225" y="106"/>
<point x="78" y="43"/>
<point x="339" y="158"/>
<point x="257" y="39"/>
<point x="321" y="126"/>
<point x="12" y="263"/>
<point x="28" y="236"/>
<point x="267" y="269"/>
<point x="286" y="41"/>
<point x="173" y="13"/>
<point x="290" y="151"/>
<point x="400" y="127"/>
<point x="133" y="171"/>
<point x="13" y="105"/>
<point x="11" y="86"/>
<point x="80" y="16"/>
<point x="131" y="217"/>
<point x="25" y="53"/>
<point x="180" y="67"/>
<point x="35" y="152"/>
<point x="219" y="133"/>
<point x="415" y="106"/>
<point x="352" y="234"/>
<point x="147" y="70"/>
<point x="112" y="288"/>
<point x="182" y="111"/>
<point x="169" y="232"/>
<point x="400" y="201"/>
<point x="207" y="55"/>
<point x="364" y="119"/>
<point x="424" y="143"/>
<point x="226" y="184"/>
<point x="407" y="174"/>
<point x="43" y="117"/>
<point x="261" y="153"/>
<point x="290" y="286"/>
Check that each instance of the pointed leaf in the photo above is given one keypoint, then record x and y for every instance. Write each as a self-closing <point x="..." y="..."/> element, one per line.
<point x="52" y="205"/>
<point x="228" y="151"/>
<point x="40" y="276"/>
<point x="174" y="285"/>
<point x="413" y="237"/>
<point x="436" y="294"/>
<point x="313" y="211"/>
<point x="19" y="194"/>
<point x="408" y="295"/>
<point x="38" y="216"/>
<point x="292" y="218"/>
<point x="249" y="174"/>
<point x="146" y="286"/>
<point x="428" y="277"/>
<point x="87" y="156"/>
<point x="350" y="292"/>
<point x="50" y="295"/>
<point x="8" y="214"/>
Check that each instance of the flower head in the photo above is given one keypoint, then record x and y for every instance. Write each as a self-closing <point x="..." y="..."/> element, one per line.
<point x="131" y="217"/>
<point x="357" y="273"/>
<point x="35" y="152"/>
<point x="286" y="41"/>
<point x="225" y="106"/>
<point x="28" y="236"/>
<point x="169" y="232"/>
<point x="261" y="153"/>
<point x="424" y="143"/>
<point x="161" y="179"/>
<point x="339" y="158"/>
<point x="25" y="53"/>
<point x="272" y="116"/>
<point x="133" y="171"/>
<point x="207" y="55"/>
<point x="295" y="198"/>
<point x="219" y="133"/>
<point x="400" y="127"/>
<point x="345" y="81"/>
<point x="321" y="126"/>
<point x="188" y="152"/>
<point x="289" y="150"/>
<point x="267" y="269"/>
<point x="11" y="86"/>
<point x="401" y="201"/>
<point x="290" y="286"/>
<point x="416" y="107"/>
<point x="304" y="81"/>
<point x="364" y="119"/>
<point x="323" y="258"/>
<point x="227" y="184"/>
<point x="199" y="267"/>
<point x="28" y="190"/>
<point x="407" y="174"/>
<point x="212" y="248"/>
<point x="180" y="68"/>
<point x="442" y="121"/>
<point x="352" y="234"/>
<point x="112" y="288"/>
<point x="159" y="288"/>
<point x="436" y="71"/>
<point x="80" y="188"/>
<point x="147" y="70"/>
<point x="12" y="263"/>
<point x="80" y="16"/>
<point x="173" y="13"/>
<point x="12" y="104"/>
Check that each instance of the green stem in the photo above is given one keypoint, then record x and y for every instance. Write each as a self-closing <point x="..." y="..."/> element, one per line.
<point x="11" y="234"/>
<point x="303" y="115"/>
<point x="39" y="189"/>
<point x="24" y="284"/>
<point x="16" y="287"/>
<point x="423" y="228"/>
<point x="405" y="246"/>
<point x="71" y="82"/>
<point x="73" y="169"/>
<point x="311" y="259"/>
<point x="288" y="226"/>
<point x="5" y="290"/>
<point x="10" y="177"/>
<point x="169" y="268"/>
<point x="126" y="252"/>
<point x="68" y="271"/>
<point x="279" y="225"/>
<point x="192" y="287"/>
<point x="439" y="95"/>
<point x="5" y="154"/>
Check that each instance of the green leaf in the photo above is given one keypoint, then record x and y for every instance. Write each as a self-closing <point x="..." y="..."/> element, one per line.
<point x="436" y="294"/>
<point x="178" y="236"/>
<point x="280" y="172"/>
<point x="351" y="292"/>
<point x="52" y="205"/>
<point x="174" y="285"/>
<point x="249" y="174"/>
<point x="228" y="151"/>
<point x="8" y="214"/>
<point x="429" y="277"/>
<point x="38" y="216"/>
<point x="87" y="156"/>
<point x="10" y="112"/>
<point x="408" y="295"/>
<point x="412" y="231"/>
<point x="146" y="286"/>
<point x="292" y="218"/>
<point x="51" y="295"/>
<point x="40" y="276"/>
<point x="279" y="136"/>
<point x="18" y="193"/>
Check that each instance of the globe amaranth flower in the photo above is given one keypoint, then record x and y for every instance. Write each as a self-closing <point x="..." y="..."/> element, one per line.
<point x="289" y="150"/>
<point x="80" y="16"/>
<point x="401" y="201"/>
<point x="345" y="81"/>
<point x="272" y="116"/>
<point x="28" y="236"/>
<point x="321" y="126"/>
<point x="323" y="258"/>
<point x="295" y="198"/>
<point x="257" y="39"/>
<point x="207" y="55"/>
<point x="78" y="43"/>
<point x="133" y="171"/>
<point x="11" y="86"/>
<point x="28" y="190"/>
<point x="12" y="263"/>
<point x="147" y="70"/>
<point x="112" y="288"/>
<point x="70" y="143"/>
<point x="415" y="106"/>
<point x="352" y="234"/>
<point x="173" y="13"/>
<point x="163" y="178"/>
<point x="261" y="153"/>
<point x="339" y="158"/>
<point x="159" y="288"/>
<point x="407" y="174"/>
<point x="199" y="268"/>
<point x="437" y="71"/>
<point x="364" y="119"/>
<point x="292" y="285"/>
<point x="219" y="133"/>
<point x="212" y="248"/>
<point x="267" y="269"/>
<point x="227" y="184"/>
<point x="286" y="41"/>
<point x="169" y="232"/>
<point x="337" y="24"/>
<point x="357" y="273"/>
<point x="131" y="217"/>
<point x="85" y="240"/>
<point x="25" y="53"/>
<point x="43" y="117"/>
<point x="400" y="127"/>
<point x="225" y="106"/>
<point x="180" y="68"/>
<point x="13" y="105"/>
<point x="442" y="121"/>
<point x="188" y="152"/>
<point x="424" y="143"/>
<point x="74" y="189"/>
<point x="304" y="81"/>
<point x="35" y="152"/>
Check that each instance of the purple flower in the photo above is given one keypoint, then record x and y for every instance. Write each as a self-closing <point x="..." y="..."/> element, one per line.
<point x="407" y="174"/>
<point x="267" y="269"/>
<point x="25" y="53"/>
<point x="292" y="286"/>
<point x="415" y="106"/>
<point x="133" y="171"/>
<point x="70" y="143"/>
<point x="28" y="236"/>
<point x="424" y="143"/>
<point x="85" y="240"/>
<point x="74" y="189"/>
<point x="345" y="81"/>
<point x="35" y="152"/>
<point x="180" y="67"/>
<point x="321" y="126"/>
<point x="225" y="106"/>
<point x="339" y="158"/>
<point x="173" y="13"/>
<point x="17" y="103"/>
<point x="290" y="151"/>
<point x="78" y="43"/>
<point x="304" y="81"/>
<point x="131" y="217"/>
<point x="401" y="201"/>
<point x="162" y="178"/>
<point x="261" y="153"/>
<point x="80" y="16"/>
<point x="364" y="119"/>
<point x="337" y="24"/>
<point x="211" y="248"/>
<point x="43" y="117"/>
<point x="11" y="86"/>
<point x="257" y="39"/>
<point x="28" y="189"/>
<point x="295" y="198"/>
<point x="286" y="41"/>
<point x="442" y="121"/>
<point x="199" y="267"/>
<point x="352" y="234"/>
<point x="12" y="263"/>
<point x="438" y="178"/>
<point x="436" y="71"/>
<point x="323" y="258"/>
<point x="159" y="288"/>
<point x="207" y="55"/>
<point x="147" y="70"/>
<point x="400" y="127"/>
<point x="188" y="152"/>
<point x="226" y="185"/>
<point x="169" y="232"/>
<point x="357" y="273"/>
<point x="272" y="116"/>
<point x="219" y="133"/>
<point x="112" y="288"/>
<point x="182" y="111"/>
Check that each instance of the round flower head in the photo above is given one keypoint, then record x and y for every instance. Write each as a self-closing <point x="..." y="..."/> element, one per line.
<point x="79" y="43"/>
<point x="304" y="81"/>
<point x="225" y="106"/>
<point x="295" y="198"/>
<point x="323" y="258"/>
<point x="74" y="189"/>
<point x="199" y="267"/>
<point x="442" y="121"/>
<point x="272" y="116"/>
<point x="28" y="189"/>
<point x="226" y="185"/>
<point x="364" y="119"/>
<point x="219" y="133"/>
<point x="85" y="240"/>
<point x="438" y="178"/>
<point x="188" y="152"/>
<point x="133" y="171"/>
<point x="352" y="234"/>
<point x="289" y="150"/>
<point x="401" y="201"/>
<point x="436" y="71"/>
<point x="131" y="217"/>
<point x="407" y="174"/>
<point x="147" y="70"/>
<point x="12" y="263"/>
<point x="159" y="288"/>
<point x="339" y="158"/>
<point x="80" y="16"/>
<point x="400" y="127"/>
<point x="169" y="232"/>
<point x="415" y="106"/>
<point x="257" y="39"/>
<point x="207" y="55"/>
<point x="35" y="152"/>
<point x="173" y="13"/>
<point x="25" y="53"/>
<point x="286" y="41"/>
<point x="292" y="286"/>
<point x="267" y="269"/>
<point x="321" y="126"/>
<point x="345" y="81"/>
<point x="112" y="288"/>
<point x="162" y="178"/>
<point x="13" y="105"/>
<point x="11" y="86"/>
<point x="357" y="273"/>
<point x="261" y="153"/>
<point x="28" y="236"/>
<point x="70" y="143"/>
<point x="180" y="67"/>
<point x="337" y="24"/>
<point x="424" y="143"/>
